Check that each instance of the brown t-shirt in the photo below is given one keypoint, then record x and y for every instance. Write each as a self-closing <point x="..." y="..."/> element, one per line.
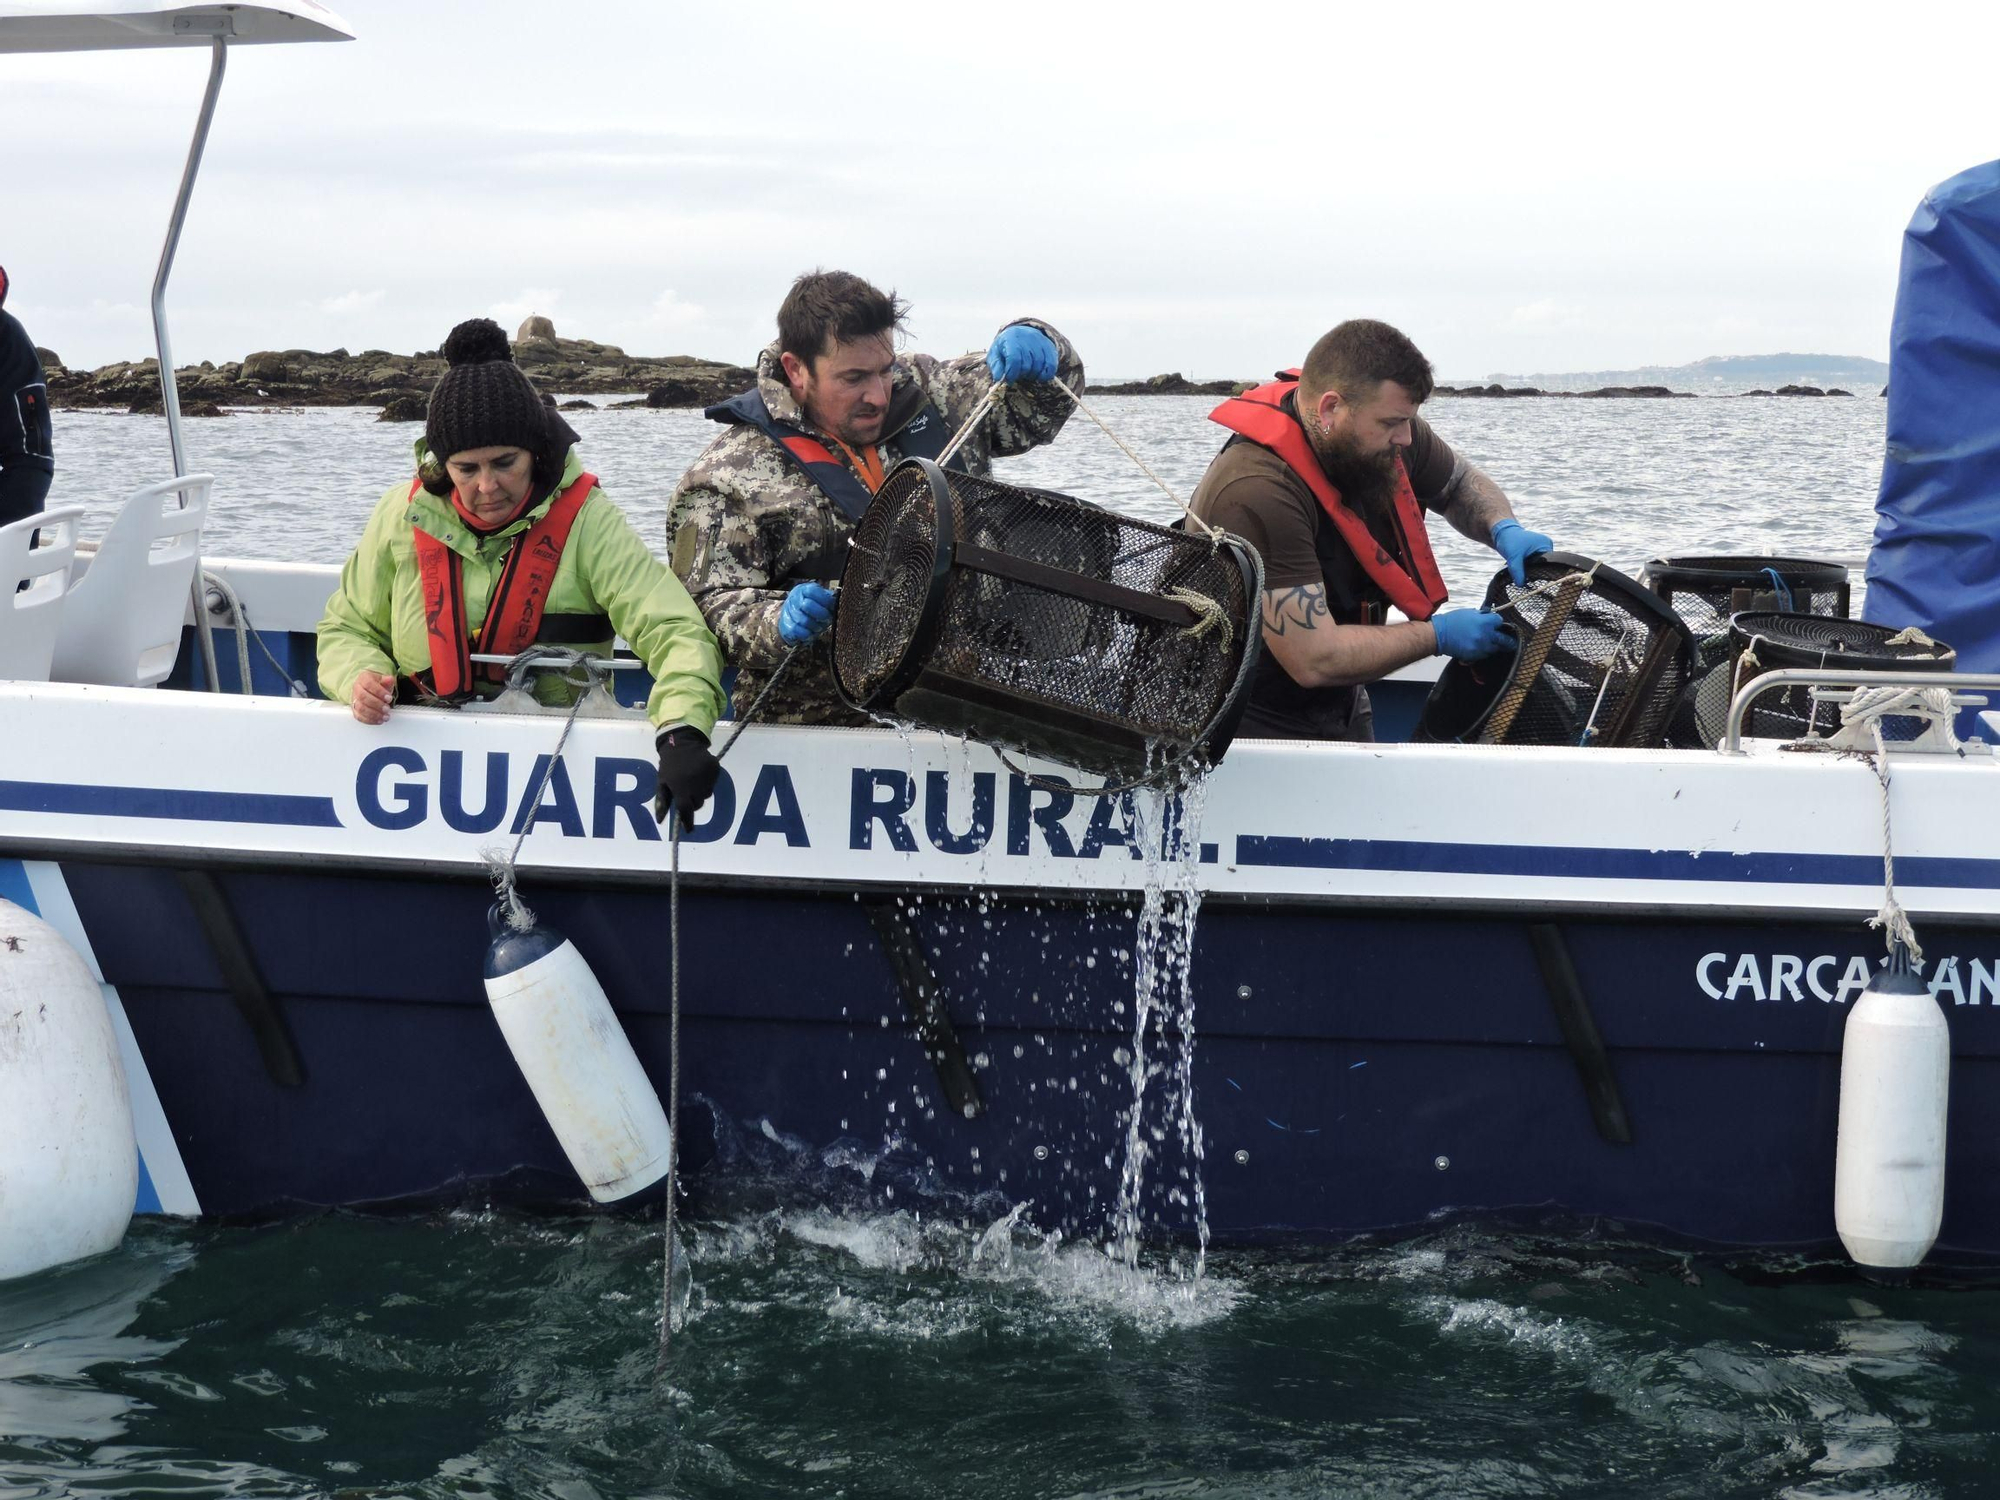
<point x="1251" y="491"/>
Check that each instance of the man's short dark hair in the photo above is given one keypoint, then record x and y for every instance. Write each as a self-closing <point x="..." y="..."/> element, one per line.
<point x="1359" y="355"/>
<point x="828" y="307"/>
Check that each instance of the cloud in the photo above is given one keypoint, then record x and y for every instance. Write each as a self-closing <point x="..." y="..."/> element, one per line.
<point x="1547" y="313"/>
<point x="669" y="311"/>
<point x="350" y="302"/>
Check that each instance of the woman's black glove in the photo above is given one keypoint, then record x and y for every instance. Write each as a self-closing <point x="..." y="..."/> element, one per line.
<point x="687" y="773"/>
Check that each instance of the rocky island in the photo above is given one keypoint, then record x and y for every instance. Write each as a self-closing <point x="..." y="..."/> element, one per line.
<point x="398" y="383"/>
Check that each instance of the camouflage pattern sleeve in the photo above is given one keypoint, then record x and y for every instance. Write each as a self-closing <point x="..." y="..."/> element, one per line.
<point x="720" y="551"/>
<point x="1028" y="416"/>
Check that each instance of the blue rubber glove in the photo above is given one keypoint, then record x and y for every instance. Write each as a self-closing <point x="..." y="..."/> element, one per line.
<point x="1022" y="353"/>
<point x="1469" y="634"/>
<point x="807" y="613"/>
<point x="1517" y="544"/>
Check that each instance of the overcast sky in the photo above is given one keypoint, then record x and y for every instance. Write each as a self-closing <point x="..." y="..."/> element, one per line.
<point x="1201" y="188"/>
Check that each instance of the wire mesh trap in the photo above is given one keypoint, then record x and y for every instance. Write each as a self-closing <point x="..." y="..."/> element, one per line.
<point x="1705" y="592"/>
<point x="1764" y="641"/>
<point x="1598" y="660"/>
<point x="1039" y="623"/>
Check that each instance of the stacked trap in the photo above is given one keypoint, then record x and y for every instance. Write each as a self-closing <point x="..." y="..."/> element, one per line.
<point x="1599" y="660"/>
<point x="1765" y="642"/>
<point x="1039" y="623"/>
<point x="1705" y="592"/>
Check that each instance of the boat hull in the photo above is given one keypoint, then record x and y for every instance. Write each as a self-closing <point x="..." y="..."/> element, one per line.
<point x="1352" y="1073"/>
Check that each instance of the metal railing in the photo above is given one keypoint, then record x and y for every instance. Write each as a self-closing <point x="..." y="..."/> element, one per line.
<point x="1732" y="739"/>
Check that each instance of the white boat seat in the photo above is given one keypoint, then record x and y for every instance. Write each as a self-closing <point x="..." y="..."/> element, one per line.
<point x="35" y="554"/>
<point x="121" y="626"/>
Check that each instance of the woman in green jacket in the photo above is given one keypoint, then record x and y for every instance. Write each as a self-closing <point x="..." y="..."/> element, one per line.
<point x="500" y="541"/>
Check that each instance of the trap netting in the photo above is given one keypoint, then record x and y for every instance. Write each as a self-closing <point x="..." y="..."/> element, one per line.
<point x="1765" y="642"/>
<point x="1706" y="591"/>
<point x="1598" y="660"/>
<point x="1036" y="622"/>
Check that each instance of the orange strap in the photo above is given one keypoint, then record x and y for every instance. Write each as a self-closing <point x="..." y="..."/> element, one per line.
<point x="867" y="463"/>
<point x="513" y="615"/>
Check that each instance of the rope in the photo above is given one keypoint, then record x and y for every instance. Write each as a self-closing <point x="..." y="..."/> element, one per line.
<point x="978" y="415"/>
<point x="1534" y="651"/>
<point x="241" y="617"/>
<point x="1870" y="706"/>
<point x="674" y="1015"/>
<point x="1213" y="533"/>
<point x="501" y="866"/>
<point x="1548" y="588"/>
<point x="1622" y="658"/>
<point x="1890" y="917"/>
<point x="1912" y="635"/>
<point x="221" y="586"/>
<point x="673" y="1080"/>
<point x="1211" y="615"/>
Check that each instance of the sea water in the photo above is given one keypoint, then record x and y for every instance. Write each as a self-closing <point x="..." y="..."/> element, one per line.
<point x="1617" y="480"/>
<point x="925" y="1350"/>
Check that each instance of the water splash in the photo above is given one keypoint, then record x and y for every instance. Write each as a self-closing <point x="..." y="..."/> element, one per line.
<point x="1166" y="826"/>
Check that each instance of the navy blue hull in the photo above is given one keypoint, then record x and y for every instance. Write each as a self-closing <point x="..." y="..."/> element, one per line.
<point x="1352" y="1073"/>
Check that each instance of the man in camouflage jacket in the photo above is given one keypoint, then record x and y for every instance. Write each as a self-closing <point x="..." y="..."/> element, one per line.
<point x="756" y="532"/>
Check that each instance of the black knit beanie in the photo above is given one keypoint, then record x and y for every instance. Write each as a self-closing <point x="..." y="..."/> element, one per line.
<point x="484" y="401"/>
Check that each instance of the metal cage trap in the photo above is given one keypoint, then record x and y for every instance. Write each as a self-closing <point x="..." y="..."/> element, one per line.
<point x="1599" y="661"/>
<point x="1043" y="624"/>
<point x="1763" y="641"/>
<point x="1705" y="591"/>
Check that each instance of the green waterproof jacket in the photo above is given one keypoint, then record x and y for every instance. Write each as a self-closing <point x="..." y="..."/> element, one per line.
<point x="375" y="620"/>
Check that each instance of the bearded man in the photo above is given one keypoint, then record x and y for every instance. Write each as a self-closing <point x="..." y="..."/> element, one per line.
<point x="1328" y="477"/>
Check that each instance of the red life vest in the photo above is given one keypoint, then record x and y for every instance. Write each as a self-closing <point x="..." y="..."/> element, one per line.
<point x="1415" y="587"/>
<point x="513" y="615"/>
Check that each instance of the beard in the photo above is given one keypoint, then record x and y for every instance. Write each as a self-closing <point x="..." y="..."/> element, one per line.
<point x="1367" y="482"/>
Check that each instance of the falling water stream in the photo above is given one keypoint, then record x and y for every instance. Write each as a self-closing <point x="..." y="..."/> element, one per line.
<point x="1165" y="825"/>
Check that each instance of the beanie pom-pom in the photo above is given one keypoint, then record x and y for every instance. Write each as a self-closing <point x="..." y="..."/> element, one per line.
<point x="476" y="341"/>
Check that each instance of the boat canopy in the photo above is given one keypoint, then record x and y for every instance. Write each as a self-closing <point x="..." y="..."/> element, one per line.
<point x="96" y="26"/>
<point x="1936" y="559"/>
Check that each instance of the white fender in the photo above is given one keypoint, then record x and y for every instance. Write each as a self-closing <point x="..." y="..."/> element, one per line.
<point x="578" y="1062"/>
<point x="69" y="1165"/>
<point x="1895" y="1077"/>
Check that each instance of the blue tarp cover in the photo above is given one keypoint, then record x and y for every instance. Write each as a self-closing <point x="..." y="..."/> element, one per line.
<point x="1936" y="559"/>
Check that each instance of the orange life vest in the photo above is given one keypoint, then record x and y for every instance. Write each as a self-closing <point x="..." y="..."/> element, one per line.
<point x="513" y="615"/>
<point x="1414" y="586"/>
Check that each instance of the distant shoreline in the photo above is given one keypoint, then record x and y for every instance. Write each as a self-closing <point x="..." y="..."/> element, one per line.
<point x="1176" y="384"/>
<point x="400" y="384"/>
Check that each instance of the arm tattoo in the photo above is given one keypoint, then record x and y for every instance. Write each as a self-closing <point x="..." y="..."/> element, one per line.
<point x="1302" y="607"/>
<point x="1474" y="502"/>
